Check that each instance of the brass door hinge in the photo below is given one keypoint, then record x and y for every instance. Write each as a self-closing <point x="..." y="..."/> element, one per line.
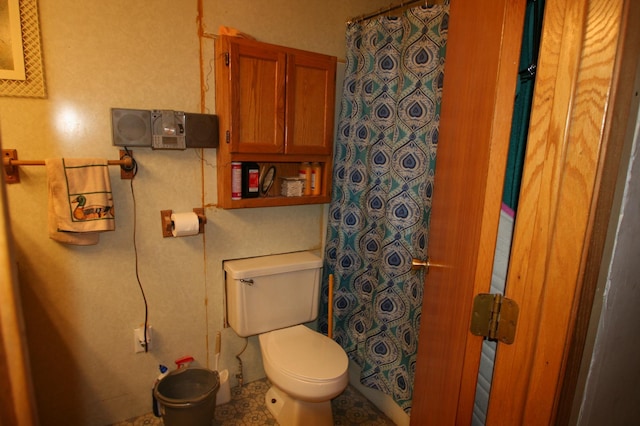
<point x="226" y="58"/>
<point x="494" y="317"/>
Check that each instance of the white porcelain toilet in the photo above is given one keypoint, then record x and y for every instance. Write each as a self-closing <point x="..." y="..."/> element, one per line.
<point x="272" y="296"/>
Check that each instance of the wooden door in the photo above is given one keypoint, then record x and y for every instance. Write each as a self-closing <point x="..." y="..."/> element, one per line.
<point x="579" y="118"/>
<point x="483" y="51"/>
<point x="256" y="97"/>
<point x="17" y="404"/>
<point x="579" y="113"/>
<point x="311" y="83"/>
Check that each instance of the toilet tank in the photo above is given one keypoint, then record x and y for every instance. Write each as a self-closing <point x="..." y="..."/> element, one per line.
<point x="271" y="292"/>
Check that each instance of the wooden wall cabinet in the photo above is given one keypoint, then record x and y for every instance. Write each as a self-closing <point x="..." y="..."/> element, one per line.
<point x="276" y="107"/>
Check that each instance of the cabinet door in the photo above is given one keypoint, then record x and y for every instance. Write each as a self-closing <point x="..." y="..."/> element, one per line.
<point x="256" y="97"/>
<point x="311" y="82"/>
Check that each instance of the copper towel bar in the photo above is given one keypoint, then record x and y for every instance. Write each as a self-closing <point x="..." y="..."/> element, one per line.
<point x="10" y="164"/>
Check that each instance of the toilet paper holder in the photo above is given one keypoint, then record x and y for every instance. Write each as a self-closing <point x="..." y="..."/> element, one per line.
<point x="167" y="224"/>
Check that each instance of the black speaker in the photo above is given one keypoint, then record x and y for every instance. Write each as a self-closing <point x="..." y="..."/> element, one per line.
<point x="201" y="130"/>
<point x="131" y="127"/>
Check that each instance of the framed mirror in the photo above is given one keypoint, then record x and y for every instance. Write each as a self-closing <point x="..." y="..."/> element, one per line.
<point x="266" y="180"/>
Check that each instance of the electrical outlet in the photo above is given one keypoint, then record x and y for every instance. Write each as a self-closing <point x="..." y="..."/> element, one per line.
<point x="139" y="341"/>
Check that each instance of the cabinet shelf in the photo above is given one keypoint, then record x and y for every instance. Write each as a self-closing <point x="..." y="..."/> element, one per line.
<point x="278" y="201"/>
<point x="282" y="169"/>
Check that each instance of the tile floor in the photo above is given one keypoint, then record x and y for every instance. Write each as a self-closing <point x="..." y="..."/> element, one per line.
<point x="247" y="408"/>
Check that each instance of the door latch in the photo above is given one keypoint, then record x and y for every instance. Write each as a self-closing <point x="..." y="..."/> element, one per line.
<point x="419" y="264"/>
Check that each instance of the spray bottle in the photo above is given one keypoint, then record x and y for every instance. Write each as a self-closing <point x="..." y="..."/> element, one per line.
<point x="163" y="372"/>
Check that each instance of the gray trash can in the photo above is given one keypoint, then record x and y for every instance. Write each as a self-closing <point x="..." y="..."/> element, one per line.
<point x="187" y="397"/>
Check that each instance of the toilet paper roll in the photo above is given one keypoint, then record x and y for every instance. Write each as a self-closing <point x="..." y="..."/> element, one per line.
<point x="184" y="224"/>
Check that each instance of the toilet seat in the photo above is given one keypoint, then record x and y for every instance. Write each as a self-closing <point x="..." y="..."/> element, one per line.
<point x="304" y="363"/>
<point x="304" y="354"/>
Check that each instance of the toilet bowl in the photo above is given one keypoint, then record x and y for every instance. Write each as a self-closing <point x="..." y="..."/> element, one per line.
<point x="305" y="364"/>
<point x="307" y="370"/>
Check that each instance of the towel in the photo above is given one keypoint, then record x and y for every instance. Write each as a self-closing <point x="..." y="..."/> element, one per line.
<point x="80" y="202"/>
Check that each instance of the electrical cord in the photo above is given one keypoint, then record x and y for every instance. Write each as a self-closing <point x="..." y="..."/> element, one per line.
<point x="134" y="170"/>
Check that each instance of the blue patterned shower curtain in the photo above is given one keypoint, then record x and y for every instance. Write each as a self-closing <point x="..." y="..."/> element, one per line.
<point x="382" y="185"/>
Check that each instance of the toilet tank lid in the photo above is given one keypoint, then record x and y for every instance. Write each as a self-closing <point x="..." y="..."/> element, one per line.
<point x="273" y="264"/>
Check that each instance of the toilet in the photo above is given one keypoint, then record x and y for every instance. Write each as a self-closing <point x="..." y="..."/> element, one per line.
<point x="272" y="296"/>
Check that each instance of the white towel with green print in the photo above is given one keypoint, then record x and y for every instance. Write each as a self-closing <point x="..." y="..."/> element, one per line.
<point x="80" y="199"/>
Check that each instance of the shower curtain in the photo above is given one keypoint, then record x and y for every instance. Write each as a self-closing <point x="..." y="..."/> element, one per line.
<point x="382" y="186"/>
